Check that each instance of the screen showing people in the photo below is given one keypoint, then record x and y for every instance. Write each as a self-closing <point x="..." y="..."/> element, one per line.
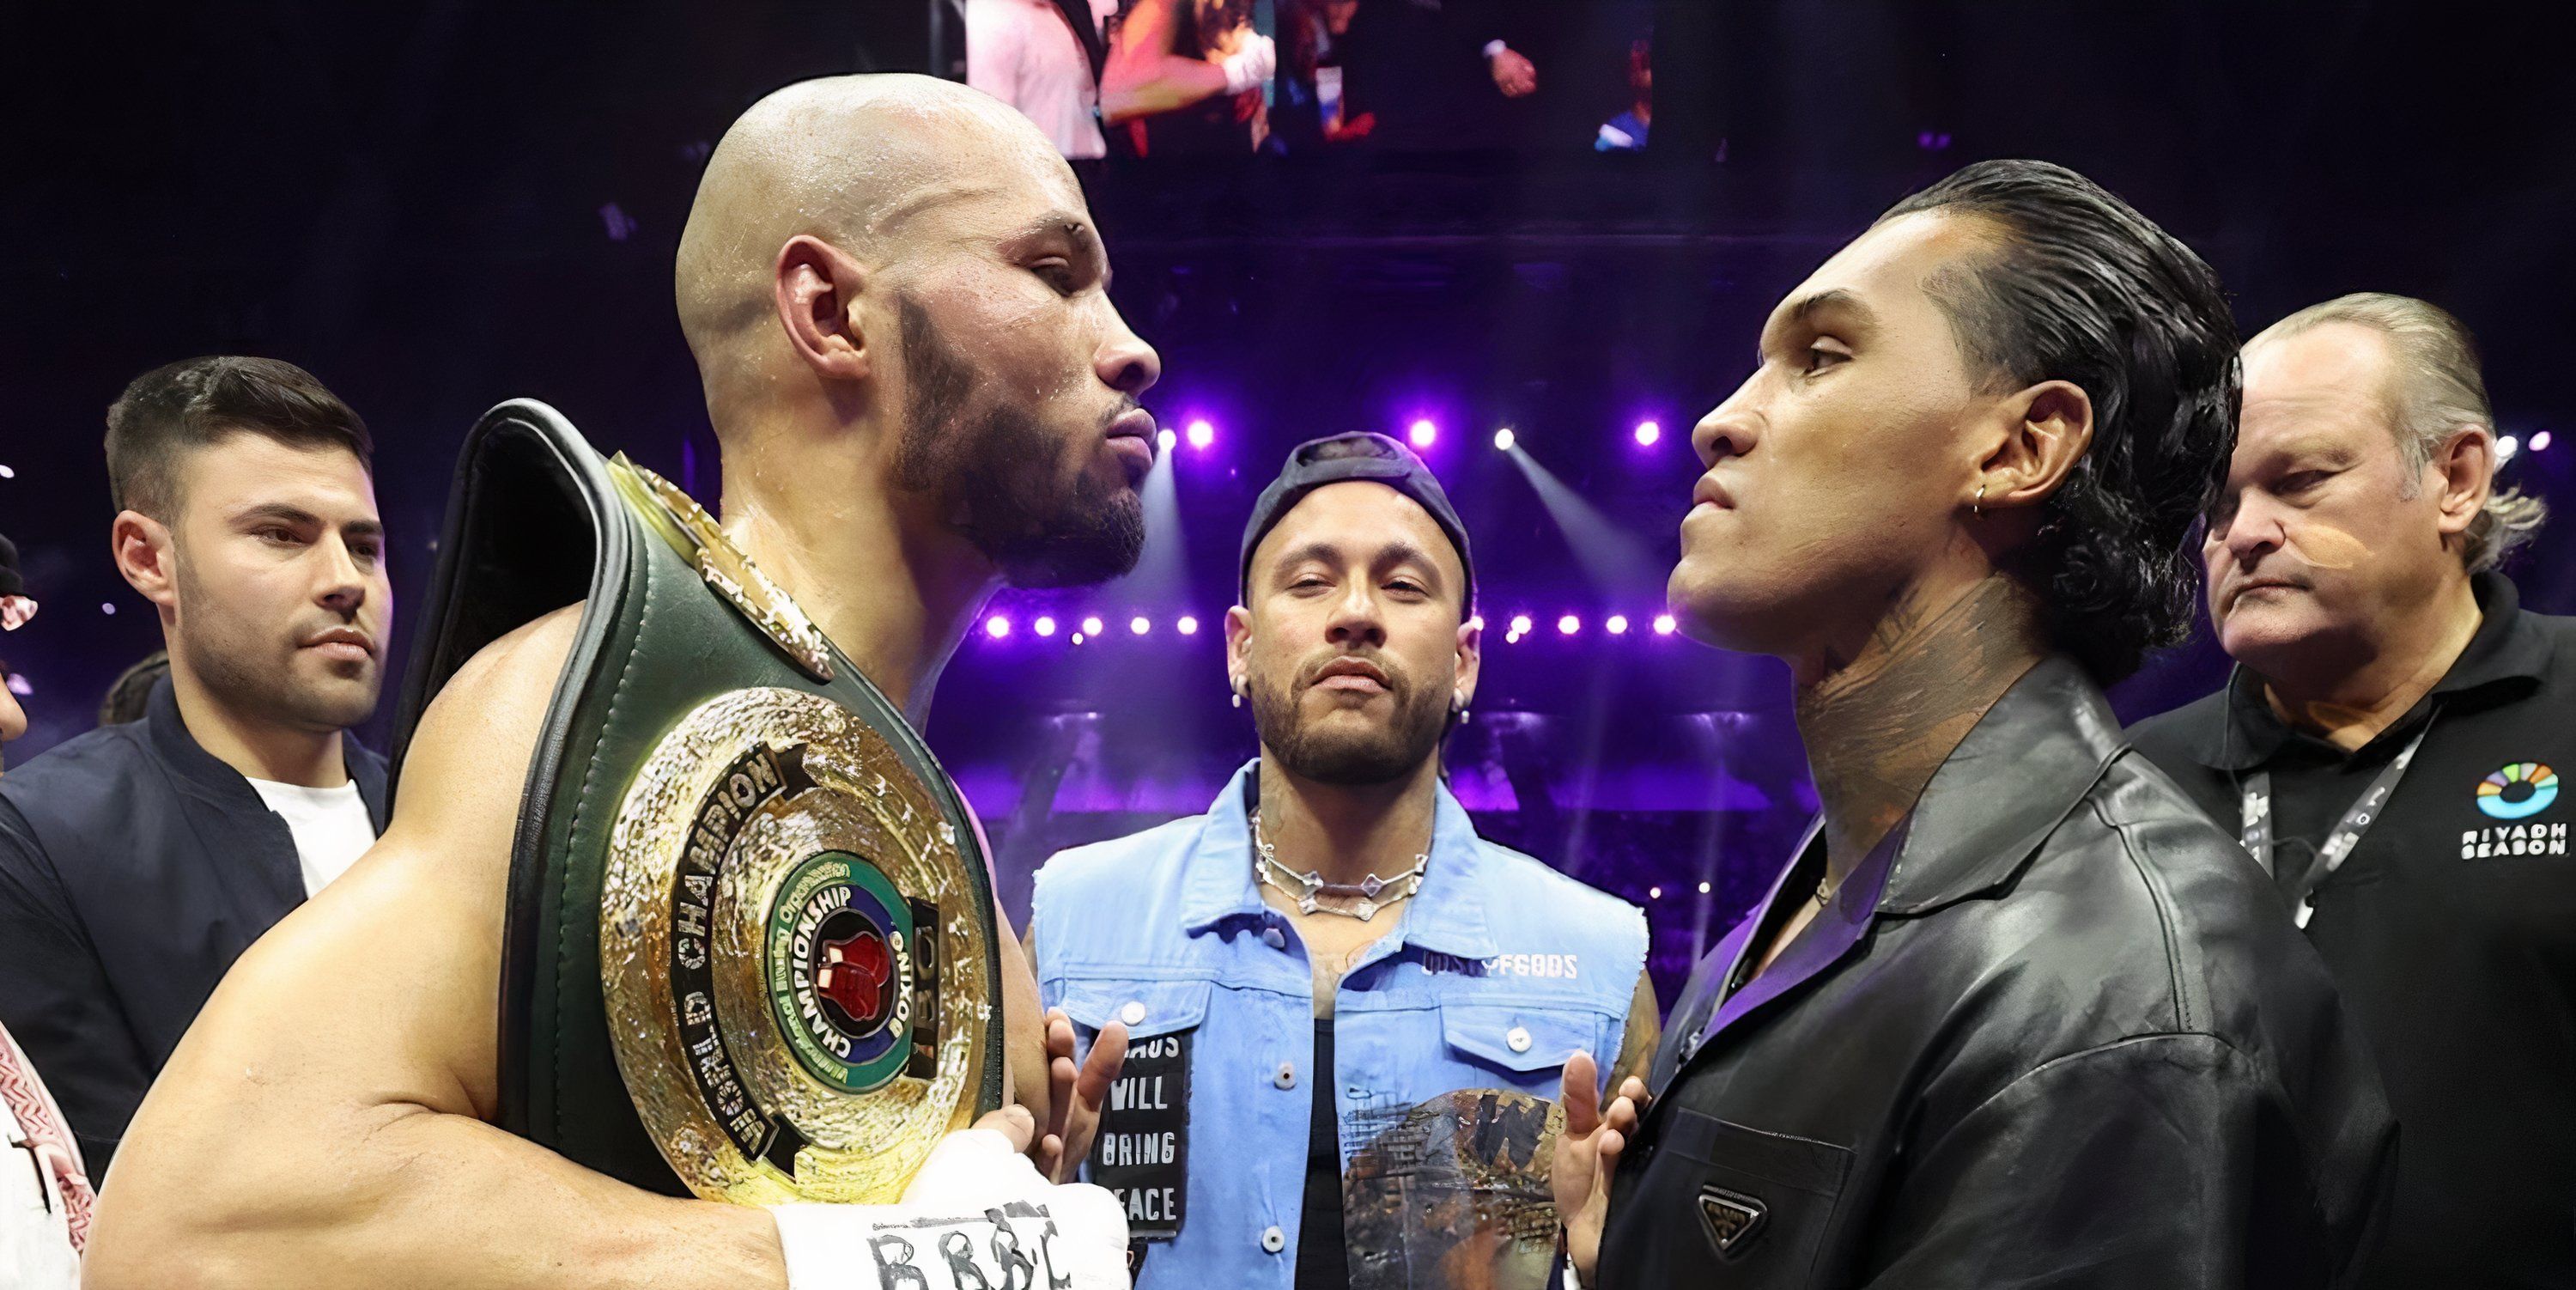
<point x="1200" y="78"/>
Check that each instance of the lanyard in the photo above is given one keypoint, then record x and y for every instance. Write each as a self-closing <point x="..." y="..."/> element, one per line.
<point x="2256" y="810"/>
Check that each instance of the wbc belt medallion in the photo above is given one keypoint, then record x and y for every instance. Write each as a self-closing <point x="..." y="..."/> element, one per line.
<point x="795" y="966"/>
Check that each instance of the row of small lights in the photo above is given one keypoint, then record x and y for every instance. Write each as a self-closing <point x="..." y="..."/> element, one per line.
<point x="1657" y="893"/>
<point x="1092" y="626"/>
<point x="1423" y="433"/>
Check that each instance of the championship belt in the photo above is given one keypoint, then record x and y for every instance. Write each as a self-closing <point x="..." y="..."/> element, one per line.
<point x="751" y="949"/>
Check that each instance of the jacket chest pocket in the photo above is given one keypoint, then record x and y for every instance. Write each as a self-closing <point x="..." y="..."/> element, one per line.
<point x="1715" y="1197"/>
<point x="1142" y="1152"/>
<point x="1525" y="1046"/>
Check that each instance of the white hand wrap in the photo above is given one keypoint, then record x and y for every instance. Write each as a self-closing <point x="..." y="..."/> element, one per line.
<point x="977" y="1217"/>
<point x="1250" y="66"/>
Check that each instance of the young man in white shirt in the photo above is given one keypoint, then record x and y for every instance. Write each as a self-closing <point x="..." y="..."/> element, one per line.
<point x="137" y="861"/>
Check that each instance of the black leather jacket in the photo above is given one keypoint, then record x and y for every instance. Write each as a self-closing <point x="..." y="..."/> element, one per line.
<point x="2079" y="1044"/>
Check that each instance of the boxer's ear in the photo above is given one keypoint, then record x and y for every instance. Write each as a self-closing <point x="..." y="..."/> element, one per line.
<point x="819" y="288"/>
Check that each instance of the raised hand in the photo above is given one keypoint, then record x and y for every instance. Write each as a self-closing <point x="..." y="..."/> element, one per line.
<point x="1075" y="1095"/>
<point x="1587" y="1153"/>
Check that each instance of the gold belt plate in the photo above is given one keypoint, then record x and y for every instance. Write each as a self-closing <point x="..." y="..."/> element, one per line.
<point x="793" y="955"/>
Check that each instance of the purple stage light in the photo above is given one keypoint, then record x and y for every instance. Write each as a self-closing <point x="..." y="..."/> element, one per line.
<point x="1664" y="624"/>
<point x="1703" y="889"/>
<point x="1164" y="438"/>
<point x="1568" y="625"/>
<point x="1187" y="626"/>
<point x="1504" y="439"/>
<point x="1422" y="432"/>
<point x="1647" y="433"/>
<point x="1617" y="624"/>
<point x="1140" y="624"/>
<point x="1078" y="638"/>
<point x="997" y="626"/>
<point x="1520" y="624"/>
<point x="1091" y="625"/>
<point x="1654" y="893"/>
<point x="1202" y="434"/>
<point x="1044" y="626"/>
<point x="2539" y="443"/>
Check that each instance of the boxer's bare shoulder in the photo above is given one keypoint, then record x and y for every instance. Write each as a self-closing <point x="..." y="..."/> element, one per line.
<point x="377" y="999"/>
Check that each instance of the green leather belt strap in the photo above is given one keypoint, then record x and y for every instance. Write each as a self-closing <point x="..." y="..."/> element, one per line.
<point x="537" y="521"/>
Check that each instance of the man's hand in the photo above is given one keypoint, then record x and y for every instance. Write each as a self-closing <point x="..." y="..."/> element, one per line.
<point x="1075" y="1095"/>
<point x="1587" y="1153"/>
<point x="1514" y="75"/>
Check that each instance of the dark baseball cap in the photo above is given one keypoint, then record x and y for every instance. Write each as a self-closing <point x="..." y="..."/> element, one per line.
<point x="1357" y="455"/>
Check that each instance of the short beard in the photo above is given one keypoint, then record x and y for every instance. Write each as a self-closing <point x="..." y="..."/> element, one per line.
<point x="990" y="465"/>
<point x="1381" y="756"/>
<point x="226" y="655"/>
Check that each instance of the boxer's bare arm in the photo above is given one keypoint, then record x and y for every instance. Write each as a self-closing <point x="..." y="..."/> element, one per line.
<point x="323" y="1123"/>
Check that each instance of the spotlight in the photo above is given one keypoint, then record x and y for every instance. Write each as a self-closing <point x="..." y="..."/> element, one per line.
<point x="1201" y="433"/>
<point x="1423" y="432"/>
<point x="997" y="626"/>
<point x="1077" y="638"/>
<point x="6" y="473"/>
<point x="1568" y="625"/>
<point x="1140" y="624"/>
<point x="1165" y="438"/>
<point x="1654" y="893"/>
<point x="2539" y="443"/>
<point x="107" y="607"/>
<point x="1187" y="626"/>
<point x="2506" y="447"/>
<point x="1647" y="433"/>
<point x="1091" y="625"/>
<point x="1503" y="439"/>
<point x="1520" y="624"/>
<point x="1617" y="624"/>
<point x="1703" y="889"/>
<point x="1044" y="626"/>
<point x="1663" y="624"/>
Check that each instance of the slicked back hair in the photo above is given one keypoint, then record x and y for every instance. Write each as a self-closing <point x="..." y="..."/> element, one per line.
<point x="2082" y="288"/>
<point x="177" y="409"/>
<point x="2438" y="389"/>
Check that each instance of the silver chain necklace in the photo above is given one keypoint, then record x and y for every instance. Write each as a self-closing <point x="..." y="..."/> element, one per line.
<point x="1307" y="888"/>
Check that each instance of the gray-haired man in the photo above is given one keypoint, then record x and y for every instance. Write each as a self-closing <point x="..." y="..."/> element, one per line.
<point x="2388" y="747"/>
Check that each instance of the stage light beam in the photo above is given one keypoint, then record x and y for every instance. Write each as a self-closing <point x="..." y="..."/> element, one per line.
<point x="1140" y="624"/>
<point x="1568" y="625"/>
<point x="1044" y="626"/>
<point x="1187" y="626"/>
<point x="1648" y="433"/>
<point x="997" y="626"/>
<point x="1423" y="432"/>
<point x="1664" y="624"/>
<point x="1201" y="434"/>
<point x="1091" y="625"/>
<point x="1165" y="439"/>
<point x="1617" y="625"/>
<point x="1504" y="439"/>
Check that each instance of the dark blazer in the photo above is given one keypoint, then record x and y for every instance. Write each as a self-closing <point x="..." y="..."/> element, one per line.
<point x="2077" y="1043"/>
<point x="134" y="868"/>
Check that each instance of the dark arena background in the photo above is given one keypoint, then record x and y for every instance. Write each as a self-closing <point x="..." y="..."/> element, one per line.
<point x="436" y="206"/>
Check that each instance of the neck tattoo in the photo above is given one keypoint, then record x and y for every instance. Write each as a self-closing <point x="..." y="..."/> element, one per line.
<point x="1310" y="891"/>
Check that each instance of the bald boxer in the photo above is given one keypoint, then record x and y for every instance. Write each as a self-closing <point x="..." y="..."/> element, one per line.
<point x="897" y="303"/>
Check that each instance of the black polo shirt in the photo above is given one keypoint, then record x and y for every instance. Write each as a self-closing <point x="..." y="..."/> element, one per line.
<point x="2450" y="929"/>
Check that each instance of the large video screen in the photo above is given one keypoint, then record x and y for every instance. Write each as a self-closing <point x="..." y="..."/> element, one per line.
<point x="1167" y="78"/>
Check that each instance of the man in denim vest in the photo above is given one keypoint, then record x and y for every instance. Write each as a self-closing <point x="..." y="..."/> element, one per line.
<point x="1344" y="1011"/>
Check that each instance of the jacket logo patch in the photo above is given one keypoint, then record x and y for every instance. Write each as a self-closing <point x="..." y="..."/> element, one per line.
<point x="2520" y="789"/>
<point x="1732" y="1220"/>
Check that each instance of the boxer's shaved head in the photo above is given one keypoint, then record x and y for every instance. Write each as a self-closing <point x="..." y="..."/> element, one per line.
<point x="909" y="258"/>
<point x="856" y="161"/>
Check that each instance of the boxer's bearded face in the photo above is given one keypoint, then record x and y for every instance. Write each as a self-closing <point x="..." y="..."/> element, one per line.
<point x="1352" y="652"/>
<point x="1020" y="476"/>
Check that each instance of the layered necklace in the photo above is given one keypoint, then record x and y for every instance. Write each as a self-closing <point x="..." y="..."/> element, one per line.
<point x="1309" y="890"/>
